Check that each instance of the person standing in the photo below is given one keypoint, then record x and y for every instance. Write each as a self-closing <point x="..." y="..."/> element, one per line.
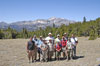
<point x="44" y="49"/>
<point x="57" y="39"/>
<point x="40" y="42"/>
<point x="66" y="36"/>
<point x="58" y="50"/>
<point x="36" y="44"/>
<point x="47" y="40"/>
<point x="50" y="49"/>
<point x="64" y="46"/>
<point x="74" y="41"/>
<point x="30" y="49"/>
<point x="70" y="50"/>
<point x="55" y="43"/>
<point x="50" y="37"/>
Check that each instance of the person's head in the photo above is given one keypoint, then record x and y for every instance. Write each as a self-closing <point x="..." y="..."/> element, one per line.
<point x="31" y="38"/>
<point x="44" y="41"/>
<point x="69" y="40"/>
<point x="65" y="34"/>
<point x="34" y="36"/>
<point x="58" y="35"/>
<point x="41" y="38"/>
<point x="73" y="35"/>
<point x="50" y="34"/>
<point x="63" y="37"/>
<point x="50" y="40"/>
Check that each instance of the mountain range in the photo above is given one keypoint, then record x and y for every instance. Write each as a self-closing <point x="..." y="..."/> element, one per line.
<point x="36" y="24"/>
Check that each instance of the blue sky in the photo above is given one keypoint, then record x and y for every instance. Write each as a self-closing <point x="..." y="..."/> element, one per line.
<point x="20" y="10"/>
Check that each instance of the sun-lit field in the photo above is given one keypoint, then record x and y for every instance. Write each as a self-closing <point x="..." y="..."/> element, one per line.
<point x="13" y="53"/>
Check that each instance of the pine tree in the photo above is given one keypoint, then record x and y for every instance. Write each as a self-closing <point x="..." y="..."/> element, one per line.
<point x="84" y="19"/>
<point x="1" y="34"/>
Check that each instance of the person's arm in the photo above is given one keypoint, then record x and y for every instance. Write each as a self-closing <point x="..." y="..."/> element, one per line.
<point x="35" y="44"/>
<point x="53" y="47"/>
<point x="66" y="46"/>
<point x="56" y="50"/>
<point x="76" y="41"/>
<point x="59" y="50"/>
<point x="46" y="48"/>
<point x="41" y="47"/>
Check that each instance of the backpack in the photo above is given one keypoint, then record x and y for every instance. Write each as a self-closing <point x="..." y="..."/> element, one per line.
<point x="58" y="46"/>
<point x="64" y="43"/>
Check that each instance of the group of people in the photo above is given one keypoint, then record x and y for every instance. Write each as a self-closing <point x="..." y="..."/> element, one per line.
<point x="48" y="47"/>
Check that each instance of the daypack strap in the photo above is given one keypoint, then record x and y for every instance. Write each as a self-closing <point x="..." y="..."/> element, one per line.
<point x="75" y="40"/>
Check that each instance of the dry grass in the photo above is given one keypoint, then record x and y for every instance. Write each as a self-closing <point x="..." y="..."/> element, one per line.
<point x="13" y="53"/>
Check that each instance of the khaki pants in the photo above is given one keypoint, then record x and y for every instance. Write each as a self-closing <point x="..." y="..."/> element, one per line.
<point x="35" y="52"/>
<point x="44" y="55"/>
<point x="70" y="54"/>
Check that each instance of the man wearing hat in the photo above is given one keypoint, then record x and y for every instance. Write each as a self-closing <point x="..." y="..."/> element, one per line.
<point x="50" y="37"/>
<point x="57" y="40"/>
<point x="66" y="36"/>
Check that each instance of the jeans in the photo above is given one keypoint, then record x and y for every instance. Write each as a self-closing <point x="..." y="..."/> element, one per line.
<point x="74" y="51"/>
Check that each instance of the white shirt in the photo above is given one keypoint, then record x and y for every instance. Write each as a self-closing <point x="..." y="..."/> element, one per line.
<point x="44" y="46"/>
<point x="50" y="46"/>
<point x="49" y="38"/>
<point x="73" y="40"/>
<point x="57" y="40"/>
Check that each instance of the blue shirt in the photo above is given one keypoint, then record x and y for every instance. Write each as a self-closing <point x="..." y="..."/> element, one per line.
<point x="40" y="42"/>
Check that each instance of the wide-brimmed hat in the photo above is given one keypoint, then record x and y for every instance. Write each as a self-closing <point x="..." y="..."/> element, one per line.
<point x="65" y="33"/>
<point x="58" y="35"/>
<point x="40" y="36"/>
<point x="49" y="33"/>
<point x="50" y="39"/>
<point x="34" y="35"/>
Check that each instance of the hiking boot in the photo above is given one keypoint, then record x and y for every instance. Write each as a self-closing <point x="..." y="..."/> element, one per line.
<point x="34" y="60"/>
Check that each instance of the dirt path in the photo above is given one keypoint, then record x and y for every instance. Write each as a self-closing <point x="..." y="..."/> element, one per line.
<point x="13" y="53"/>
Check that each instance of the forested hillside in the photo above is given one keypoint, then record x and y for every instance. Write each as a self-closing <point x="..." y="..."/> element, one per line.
<point x="86" y="28"/>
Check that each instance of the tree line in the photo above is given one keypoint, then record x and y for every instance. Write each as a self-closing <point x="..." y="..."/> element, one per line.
<point x="86" y="28"/>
